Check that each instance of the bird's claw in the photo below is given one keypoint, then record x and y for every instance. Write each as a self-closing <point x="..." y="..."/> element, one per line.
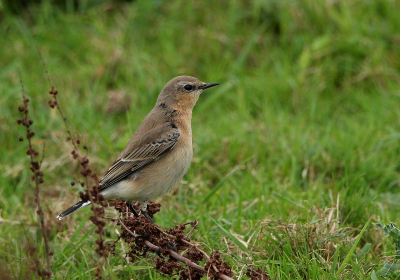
<point x="171" y="245"/>
<point x="146" y="248"/>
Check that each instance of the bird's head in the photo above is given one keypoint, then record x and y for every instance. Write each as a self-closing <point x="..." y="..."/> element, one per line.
<point x="182" y="92"/>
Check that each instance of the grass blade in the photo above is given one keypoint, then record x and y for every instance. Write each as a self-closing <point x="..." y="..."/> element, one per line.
<point x="233" y="238"/>
<point x="353" y="248"/>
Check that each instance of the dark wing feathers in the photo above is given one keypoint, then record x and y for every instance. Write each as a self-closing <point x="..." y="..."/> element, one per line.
<point x="140" y="155"/>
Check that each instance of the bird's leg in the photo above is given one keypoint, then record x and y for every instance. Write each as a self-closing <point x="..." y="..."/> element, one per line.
<point x="130" y="206"/>
<point x="143" y="208"/>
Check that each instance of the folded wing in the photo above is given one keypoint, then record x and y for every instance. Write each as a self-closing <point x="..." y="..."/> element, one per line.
<point x="139" y="154"/>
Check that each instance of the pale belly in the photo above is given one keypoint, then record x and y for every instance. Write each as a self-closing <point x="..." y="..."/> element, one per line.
<point x="153" y="180"/>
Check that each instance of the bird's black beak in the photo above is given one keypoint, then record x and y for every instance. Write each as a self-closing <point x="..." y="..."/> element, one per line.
<point x="208" y="85"/>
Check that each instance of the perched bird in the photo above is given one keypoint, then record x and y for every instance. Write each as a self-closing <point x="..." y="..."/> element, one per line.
<point x="160" y="151"/>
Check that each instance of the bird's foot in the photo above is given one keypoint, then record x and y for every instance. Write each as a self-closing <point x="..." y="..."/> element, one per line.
<point x="171" y="245"/>
<point x="141" y="237"/>
<point x="145" y="247"/>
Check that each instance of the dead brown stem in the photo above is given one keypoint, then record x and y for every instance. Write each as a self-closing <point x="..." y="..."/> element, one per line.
<point x="91" y="194"/>
<point x="37" y="176"/>
<point x="176" y="256"/>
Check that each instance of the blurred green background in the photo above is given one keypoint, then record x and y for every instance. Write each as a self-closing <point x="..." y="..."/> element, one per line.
<point x="293" y="153"/>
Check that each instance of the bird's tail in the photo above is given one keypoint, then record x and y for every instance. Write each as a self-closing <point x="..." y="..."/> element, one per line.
<point x="72" y="209"/>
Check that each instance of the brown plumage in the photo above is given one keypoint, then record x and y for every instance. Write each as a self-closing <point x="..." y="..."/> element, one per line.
<point x="160" y="151"/>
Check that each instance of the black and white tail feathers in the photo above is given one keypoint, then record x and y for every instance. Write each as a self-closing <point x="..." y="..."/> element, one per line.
<point x="72" y="209"/>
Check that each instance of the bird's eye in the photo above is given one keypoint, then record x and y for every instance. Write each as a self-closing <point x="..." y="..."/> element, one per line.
<point x="188" y="87"/>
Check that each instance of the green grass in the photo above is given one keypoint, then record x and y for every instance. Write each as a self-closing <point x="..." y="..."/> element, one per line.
<point x="296" y="153"/>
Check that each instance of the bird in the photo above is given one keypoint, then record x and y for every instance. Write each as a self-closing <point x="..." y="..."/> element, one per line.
<point x="159" y="153"/>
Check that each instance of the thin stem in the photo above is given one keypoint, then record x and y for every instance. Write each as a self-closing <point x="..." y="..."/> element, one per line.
<point x="37" y="175"/>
